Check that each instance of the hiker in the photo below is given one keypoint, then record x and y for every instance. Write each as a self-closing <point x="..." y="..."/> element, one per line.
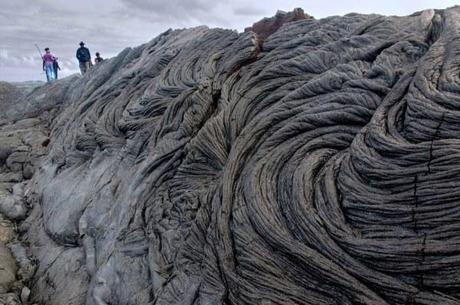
<point x="48" y="60"/>
<point x="98" y="58"/>
<point x="56" y="67"/>
<point x="84" y="58"/>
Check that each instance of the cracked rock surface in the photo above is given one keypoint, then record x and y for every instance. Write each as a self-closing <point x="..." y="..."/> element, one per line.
<point x="318" y="164"/>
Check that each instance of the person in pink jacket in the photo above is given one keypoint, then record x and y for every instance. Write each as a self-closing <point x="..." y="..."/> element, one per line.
<point x="48" y="65"/>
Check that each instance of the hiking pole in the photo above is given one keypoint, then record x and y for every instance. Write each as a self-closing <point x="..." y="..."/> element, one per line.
<point x="39" y="52"/>
<point x="41" y="56"/>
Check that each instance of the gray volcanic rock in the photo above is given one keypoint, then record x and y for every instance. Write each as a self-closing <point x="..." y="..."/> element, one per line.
<point x="202" y="168"/>
<point x="8" y="93"/>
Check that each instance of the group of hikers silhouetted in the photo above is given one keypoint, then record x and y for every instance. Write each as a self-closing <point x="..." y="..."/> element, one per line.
<point x="51" y="65"/>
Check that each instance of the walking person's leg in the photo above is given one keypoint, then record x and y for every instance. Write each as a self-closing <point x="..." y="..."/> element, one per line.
<point x="47" y="75"/>
<point x="82" y="68"/>
<point x="49" y="72"/>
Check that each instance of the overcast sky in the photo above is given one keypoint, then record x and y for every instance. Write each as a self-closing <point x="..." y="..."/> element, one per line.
<point x="108" y="26"/>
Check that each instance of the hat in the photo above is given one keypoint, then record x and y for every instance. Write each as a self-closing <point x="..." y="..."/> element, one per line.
<point x="82" y="43"/>
<point x="47" y="49"/>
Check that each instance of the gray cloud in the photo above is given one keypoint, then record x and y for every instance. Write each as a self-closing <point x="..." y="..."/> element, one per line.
<point x="179" y="13"/>
<point x="60" y="26"/>
<point x="250" y="11"/>
<point x="173" y="8"/>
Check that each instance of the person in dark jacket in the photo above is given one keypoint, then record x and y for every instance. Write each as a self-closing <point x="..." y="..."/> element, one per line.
<point x="56" y="67"/>
<point x="98" y="58"/>
<point x="84" y="58"/>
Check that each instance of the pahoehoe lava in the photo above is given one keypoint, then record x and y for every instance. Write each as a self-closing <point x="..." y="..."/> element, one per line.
<point x="316" y="161"/>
